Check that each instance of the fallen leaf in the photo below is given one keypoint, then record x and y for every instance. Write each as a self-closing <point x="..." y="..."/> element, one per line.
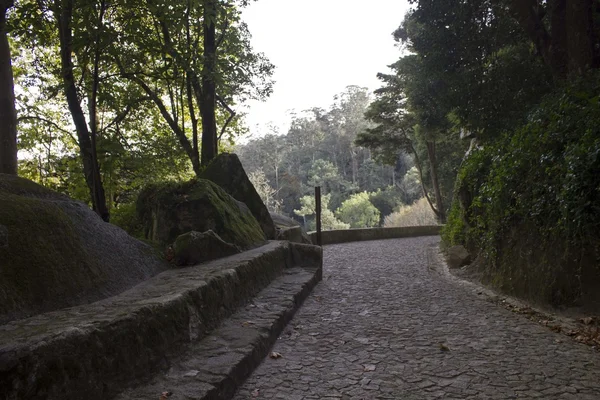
<point x="443" y="347"/>
<point x="275" y="355"/>
<point x="369" y="367"/>
<point x="247" y="323"/>
<point x="164" y="395"/>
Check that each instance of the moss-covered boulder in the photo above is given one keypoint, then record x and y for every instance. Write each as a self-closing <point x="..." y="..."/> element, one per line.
<point x="172" y="209"/>
<point x="289" y="229"/>
<point x="227" y="171"/>
<point x="457" y="256"/>
<point x="196" y="247"/>
<point x="55" y="252"/>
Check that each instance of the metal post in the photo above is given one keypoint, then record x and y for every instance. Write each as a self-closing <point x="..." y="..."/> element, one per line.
<point x="318" y="212"/>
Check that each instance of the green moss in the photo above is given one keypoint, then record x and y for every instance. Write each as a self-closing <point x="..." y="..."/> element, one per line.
<point x="453" y="232"/>
<point x="43" y="258"/>
<point x="125" y="217"/>
<point x="11" y="184"/>
<point x="233" y="225"/>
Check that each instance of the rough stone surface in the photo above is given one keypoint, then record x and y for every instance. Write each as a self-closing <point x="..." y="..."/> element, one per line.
<point x="281" y="221"/>
<point x="216" y="366"/>
<point x="289" y="229"/>
<point x="196" y="247"/>
<point x="93" y="351"/>
<point x="386" y="324"/>
<point x="358" y="235"/>
<point x="172" y="209"/>
<point x="55" y="252"/>
<point x="227" y="171"/>
<point x="3" y="236"/>
<point x="457" y="256"/>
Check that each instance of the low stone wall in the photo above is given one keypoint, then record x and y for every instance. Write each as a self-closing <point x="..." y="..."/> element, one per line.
<point x="358" y="235"/>
<point x="98" y="348"/>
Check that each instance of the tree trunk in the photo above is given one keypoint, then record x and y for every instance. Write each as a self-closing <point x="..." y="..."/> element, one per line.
<point x="423" y="187"/>
<point x="354" y="167"/>
<point x="579" y="31"/>
<point x="435" y="182"/>
<point x="8" y="114"/>
<point x="91" y="170"/>
<point x="527" y="14"/>
<point x="559" y="57"/>
<point x="208" y="104"/>
<point x="569" y="46"/>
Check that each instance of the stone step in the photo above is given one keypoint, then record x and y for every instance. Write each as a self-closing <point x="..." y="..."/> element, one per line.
<point x="215" y="367"/>
<point x="94" y="351"/>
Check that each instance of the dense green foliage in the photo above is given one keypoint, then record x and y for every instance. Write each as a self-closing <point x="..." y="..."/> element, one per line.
<point x="544" y="180"/>
<point x="328" y="219"/>
<point x="111" y="96"/>
<point x="517" y="79"/>
<point x="358" y="211"/>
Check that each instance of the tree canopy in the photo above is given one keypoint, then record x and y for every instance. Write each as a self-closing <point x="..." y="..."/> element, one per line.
<point x="132" y="87"/>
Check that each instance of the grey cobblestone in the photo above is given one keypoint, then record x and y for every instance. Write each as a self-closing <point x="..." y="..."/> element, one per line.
<point x="385" y="324"/>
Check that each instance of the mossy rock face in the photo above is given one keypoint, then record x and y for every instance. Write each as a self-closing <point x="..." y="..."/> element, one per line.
<point x="227" y="171"/>
<point x="289" y="229"/>
<point x="55" y="252"/>
<point x="172" y="209"/>
<point x="196" y="247"/>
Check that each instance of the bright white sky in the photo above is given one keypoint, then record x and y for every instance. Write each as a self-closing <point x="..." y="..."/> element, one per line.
<point x="319" y="47"/>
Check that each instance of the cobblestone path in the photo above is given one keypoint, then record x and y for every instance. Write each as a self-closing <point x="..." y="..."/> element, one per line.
<point x="372" y="330"/>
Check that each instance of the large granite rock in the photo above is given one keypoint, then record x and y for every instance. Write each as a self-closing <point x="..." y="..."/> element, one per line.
<point x="457" y="256"/>
<point x="227" y="171"/>
<point x="289" y="229"/>
<point x="172" y="209"/>
<point x="196" y="247"/>
<point x="55" y="252"/>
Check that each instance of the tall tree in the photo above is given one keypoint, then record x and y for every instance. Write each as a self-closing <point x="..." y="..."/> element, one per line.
<point x="127" y="73"/>
<point x="563" y="32"/>
<point x="63" y="15"/>
<point x="208" y="97"/>
<point x="8" y="115"/>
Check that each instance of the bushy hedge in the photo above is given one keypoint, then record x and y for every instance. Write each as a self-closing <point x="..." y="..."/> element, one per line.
<point x="529" y="203"/>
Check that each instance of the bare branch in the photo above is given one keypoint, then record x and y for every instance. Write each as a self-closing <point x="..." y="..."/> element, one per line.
<point x="229" y="119"/>
<point x="48" y="122"/>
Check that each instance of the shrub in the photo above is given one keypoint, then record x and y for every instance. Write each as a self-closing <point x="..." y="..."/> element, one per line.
<point x="328" y="219"/>
<point x="125" y="217"/>
<point x="419" y="213"/>
<point x="358" y="211"/>
<point x="386" y="201"/>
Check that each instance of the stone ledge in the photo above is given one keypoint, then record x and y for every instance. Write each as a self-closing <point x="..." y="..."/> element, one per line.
<point x="214" y="368"/>
<point x="98" y="349"/>
<point x="358" y="235"/>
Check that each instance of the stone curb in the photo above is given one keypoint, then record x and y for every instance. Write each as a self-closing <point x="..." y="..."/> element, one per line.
<point x="94" y="351"/>
<point x="359" y="235"/>
<point x="214" y="368"/>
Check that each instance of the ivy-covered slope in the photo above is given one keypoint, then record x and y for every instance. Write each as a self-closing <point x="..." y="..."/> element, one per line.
<point x="529" y="203"/>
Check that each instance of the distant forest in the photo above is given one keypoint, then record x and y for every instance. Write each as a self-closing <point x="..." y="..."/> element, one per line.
<point x="360" y="188"/>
